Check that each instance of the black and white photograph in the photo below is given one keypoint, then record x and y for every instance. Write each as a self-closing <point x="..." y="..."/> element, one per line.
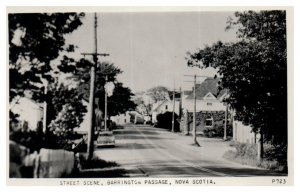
<point x="149" y="96"/>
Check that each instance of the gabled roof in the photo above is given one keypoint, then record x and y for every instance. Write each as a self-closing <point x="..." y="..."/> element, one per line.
<point x="210" y="85"/>
<point x="177" y="95"/>
<point x="208" y="96"/>
<point x="159" y="105"/>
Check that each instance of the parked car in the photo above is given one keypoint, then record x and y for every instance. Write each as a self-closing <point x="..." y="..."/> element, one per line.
<point x="106" y="139"/>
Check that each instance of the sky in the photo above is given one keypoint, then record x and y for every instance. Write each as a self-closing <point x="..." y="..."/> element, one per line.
<point x="150" y="47"/>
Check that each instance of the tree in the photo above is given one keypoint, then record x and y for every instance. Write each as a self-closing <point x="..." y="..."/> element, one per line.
<point x="66" y="110"/>
<point x="36" y="39"/>
<point x="142" y="106"/>
<point x="254" y="70"/>
<point x="119" y="102"/>
<point x="158" y="93"/>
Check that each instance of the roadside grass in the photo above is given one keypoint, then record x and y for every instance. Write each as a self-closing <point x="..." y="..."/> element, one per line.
<point x="246" y="154"/>
<point x="96" y="168"/>
<point x="95" y="163"/>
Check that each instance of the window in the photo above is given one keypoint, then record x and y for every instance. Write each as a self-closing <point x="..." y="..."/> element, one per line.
<point x="166" y="107"/>
<point x="209" y="122"/>
<point x="209" y="104"/>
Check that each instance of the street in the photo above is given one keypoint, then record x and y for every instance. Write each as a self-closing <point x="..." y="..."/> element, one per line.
<point x="145" y="151"/>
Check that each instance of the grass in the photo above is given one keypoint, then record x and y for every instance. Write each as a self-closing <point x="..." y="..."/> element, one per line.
<point x="246" y="154"/>
<point x="95" y="163"/>
<point x="97" y="168"/>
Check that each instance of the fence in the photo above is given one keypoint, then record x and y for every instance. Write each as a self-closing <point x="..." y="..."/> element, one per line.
<point x="48" y="163"/>
<point x="243" y="133"/>
<point x="54" y="163"/>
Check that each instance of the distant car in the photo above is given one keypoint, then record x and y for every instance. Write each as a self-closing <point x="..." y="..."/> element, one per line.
<point x="106" y="139"/>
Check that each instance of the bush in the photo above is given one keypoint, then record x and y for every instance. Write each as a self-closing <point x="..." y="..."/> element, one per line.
<point x="165" y="121"/>
<point x="246" y="150"/>
<point x="218" y="131"/>
<point x="245" y="153"/>
<point x="31" y="139"/>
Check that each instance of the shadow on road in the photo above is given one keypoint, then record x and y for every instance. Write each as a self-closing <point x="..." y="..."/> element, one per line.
<point x="119" y="137"/>
<point x="130" y="132"/>
<point x="129" y="146"/>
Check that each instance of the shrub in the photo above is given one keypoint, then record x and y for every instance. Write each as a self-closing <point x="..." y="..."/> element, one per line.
<point x="245" y="153"/>
<point x="165" y="121"/>
<point x="218" y="131"/>
<point x="31" y="139"/>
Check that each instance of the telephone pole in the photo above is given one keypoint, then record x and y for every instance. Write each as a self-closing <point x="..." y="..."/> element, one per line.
<point x="173" y="111"/>
<point x="225" y="123"/>
<point x="105" y="106"/>
<point x="194" y="111"/>
<point x="92" y="92"/>
<point x="45" y="108"/>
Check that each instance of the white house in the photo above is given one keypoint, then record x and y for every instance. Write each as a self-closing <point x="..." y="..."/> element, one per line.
<point x="166" y="106"/>
<point x="209" y="99"/>
<point x="121" y="119"/>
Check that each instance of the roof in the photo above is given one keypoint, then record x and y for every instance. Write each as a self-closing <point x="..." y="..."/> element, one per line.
<point x="209" y="85"/>
<point x="158" y="105"/>
<point x="177" y="95"/>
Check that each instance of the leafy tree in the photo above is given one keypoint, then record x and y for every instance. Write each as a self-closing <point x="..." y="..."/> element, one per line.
<point x="65" y="108"/>
<point x="141" y="106"/>
<point x="254" y="71"/>
<point x="158" y="93"/>
<point x="35" y="39"/>
<point x="119" y="102"/>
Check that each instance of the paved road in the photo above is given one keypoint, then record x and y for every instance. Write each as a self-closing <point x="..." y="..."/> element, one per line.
<point x="147" y="151"/>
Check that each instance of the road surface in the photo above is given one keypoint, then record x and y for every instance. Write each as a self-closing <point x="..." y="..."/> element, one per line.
<point x="145" y="151"/>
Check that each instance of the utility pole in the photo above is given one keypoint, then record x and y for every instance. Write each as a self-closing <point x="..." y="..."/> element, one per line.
<point x="194" y="114"/>
<point x="92" y="92"/>
<point x="173" y="113"/>
<point x="105" y="106"/>
<point x="45" y="107"/>
<point x="180" y="103"/>
<point x="225" y="123"/>
<point x="194" y="111"/>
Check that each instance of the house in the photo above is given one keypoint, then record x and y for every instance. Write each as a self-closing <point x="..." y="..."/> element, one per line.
<point x="121" y="119"/>
<point x="209" y="102"/>
<point x="166" y="105"/>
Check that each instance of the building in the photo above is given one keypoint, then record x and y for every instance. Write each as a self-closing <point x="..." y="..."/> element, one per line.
<point x="166" y="105"/>
<point x="121" y="119"/>
<point x="209" y="102"/>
